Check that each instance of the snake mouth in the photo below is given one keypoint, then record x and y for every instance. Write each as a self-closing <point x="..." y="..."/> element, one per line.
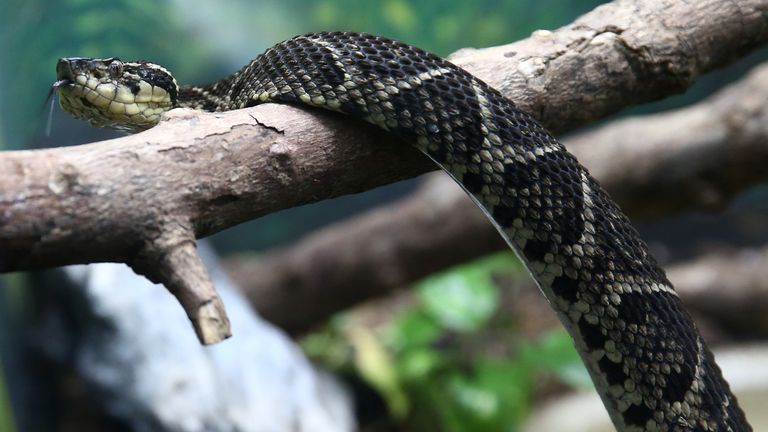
<point x="70" y="76"/>
<point x="64" y="76"/>
<point x="58" y="84"/>
<point x="68" y="68"/>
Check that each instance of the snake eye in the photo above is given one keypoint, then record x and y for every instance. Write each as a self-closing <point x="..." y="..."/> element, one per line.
<point x="115" y="68"/>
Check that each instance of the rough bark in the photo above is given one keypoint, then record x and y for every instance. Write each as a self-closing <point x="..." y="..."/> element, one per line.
<point x="646" y="163"/>
<point x="144" y="199"/>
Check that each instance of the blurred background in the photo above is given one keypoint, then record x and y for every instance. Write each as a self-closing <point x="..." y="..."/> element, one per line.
<point x="469" y="348"/>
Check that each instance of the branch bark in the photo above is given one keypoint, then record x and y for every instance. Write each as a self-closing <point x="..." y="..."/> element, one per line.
<point x="143" y="199"/>
<point x="731" y="288"/>
<point x="651" y="168"/>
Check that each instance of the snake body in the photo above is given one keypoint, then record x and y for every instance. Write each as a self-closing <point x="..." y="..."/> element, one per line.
<point x="648" y="361"/>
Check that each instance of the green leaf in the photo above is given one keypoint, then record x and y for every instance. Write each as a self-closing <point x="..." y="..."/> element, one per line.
<point x="556" y="354"/>
<point x="412" y="329"/>
<point x="511" y="381"/>
<point x="328" y="347"/>
<point x="376" y="366"/>
<point x="462" y="301"/>
<point x="480" y="401"/>
<point x="465" y="297"/>
<point x="418" y="364"/>
<point x="495" y="396"/>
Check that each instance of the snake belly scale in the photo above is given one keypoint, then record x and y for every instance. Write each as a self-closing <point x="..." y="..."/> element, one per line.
<point x="648" y="361"/>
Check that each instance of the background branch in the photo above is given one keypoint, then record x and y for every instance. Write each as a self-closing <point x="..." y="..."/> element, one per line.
<point x="730" y="288"/>
<point x="651" y="168"/>
<point x="697" y="158"/>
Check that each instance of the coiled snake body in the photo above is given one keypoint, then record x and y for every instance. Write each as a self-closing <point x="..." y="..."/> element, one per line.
<point x="646" y="358"/>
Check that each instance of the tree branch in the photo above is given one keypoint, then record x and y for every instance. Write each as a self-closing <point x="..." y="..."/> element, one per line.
<point x="730" y="287"/>
<point x="651" y="168"/>
<point x="141" y="199"/>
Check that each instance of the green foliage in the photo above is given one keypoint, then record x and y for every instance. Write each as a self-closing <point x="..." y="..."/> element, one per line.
<point x="461" y="300"/>
<point x="556" y="354"/>
<point x="437" y="365"/>
<point x="6" y="414"/>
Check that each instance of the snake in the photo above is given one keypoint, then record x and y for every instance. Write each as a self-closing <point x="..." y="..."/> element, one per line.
<point x="649" y="363"/>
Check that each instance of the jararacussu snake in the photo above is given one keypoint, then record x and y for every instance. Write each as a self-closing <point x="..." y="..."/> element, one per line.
<point x="648" y="361"/>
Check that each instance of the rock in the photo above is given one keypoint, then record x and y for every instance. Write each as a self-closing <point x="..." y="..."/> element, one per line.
<point x="139" y="352"/>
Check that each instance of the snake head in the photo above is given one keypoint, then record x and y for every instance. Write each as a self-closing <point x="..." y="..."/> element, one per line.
<point x="109" y="93"/>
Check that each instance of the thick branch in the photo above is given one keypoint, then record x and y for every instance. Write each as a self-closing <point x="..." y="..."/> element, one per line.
<point x="645" y="162"/>
<point x="201" y="173"/>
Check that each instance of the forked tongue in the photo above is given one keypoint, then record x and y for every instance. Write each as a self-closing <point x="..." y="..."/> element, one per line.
<point x="50" y="97"/>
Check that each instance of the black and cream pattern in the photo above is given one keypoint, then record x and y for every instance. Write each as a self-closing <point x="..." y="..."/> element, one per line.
<point x="648" y="361"/>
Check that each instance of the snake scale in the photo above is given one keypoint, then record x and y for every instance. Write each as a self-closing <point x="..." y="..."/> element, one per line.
<point x="648" y="361"/>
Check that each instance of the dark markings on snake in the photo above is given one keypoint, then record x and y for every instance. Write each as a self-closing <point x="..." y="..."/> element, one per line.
<point x="668" y="366"/>
<point x="614" y="371"/>
<point x="160" y="79"/>
<point x="133" y="85"/>
<point x="535" y="250"/>
<point x="209" y="105"/>
<point x="637" y="415"/>
<point x="592" y="335"/>
<point x="566" y="288"/>
<point x="473" y="182"/>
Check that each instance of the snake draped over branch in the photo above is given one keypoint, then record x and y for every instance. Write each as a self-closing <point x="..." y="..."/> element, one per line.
<point x="648" y="361"/>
